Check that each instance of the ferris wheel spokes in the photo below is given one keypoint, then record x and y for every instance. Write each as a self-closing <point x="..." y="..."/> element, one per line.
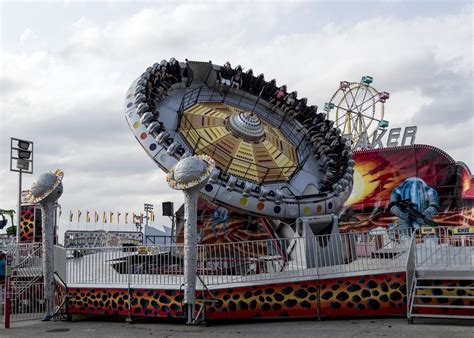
<point x="356" y="107"/>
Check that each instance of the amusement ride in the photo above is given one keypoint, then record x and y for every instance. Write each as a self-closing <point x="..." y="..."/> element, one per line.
<point x="358" y="108"/>
<point x="250" y="155"/>
<point x="268" y="163"/>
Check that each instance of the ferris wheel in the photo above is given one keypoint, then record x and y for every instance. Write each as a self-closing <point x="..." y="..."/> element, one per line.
<point x="357" y="108"/>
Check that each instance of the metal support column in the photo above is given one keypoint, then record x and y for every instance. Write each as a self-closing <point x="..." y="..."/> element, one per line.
<point x="48" y="210"/>
<point x="190" y="250"/>
<point x="19" y="207"/>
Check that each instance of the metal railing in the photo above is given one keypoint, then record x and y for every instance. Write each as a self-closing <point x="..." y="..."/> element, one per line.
<point x="27" y="259"/>
<point x="293" y="130"/>
<point x="440" y="248"/>
<point x="159" y="239"/>
<point x="7" y="243"/>
<point x="27" y="300"/>
<point x="240" y="262"/>
<point x="25" y="290"/>
<point x="154" y="265"/>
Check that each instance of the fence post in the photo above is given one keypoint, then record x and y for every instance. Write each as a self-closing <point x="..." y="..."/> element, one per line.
<point x="318" y="279"/>
<point x="446" y="236"/>
<point x="129" y="317"/>
<point x="7" y="291"/>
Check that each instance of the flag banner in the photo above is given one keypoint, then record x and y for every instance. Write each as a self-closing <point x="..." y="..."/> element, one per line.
<point x="111" y="217"/>
<point x="141" y="218"/>
<point x="79" y="213"/>
<point x="126" y="218"/>
<point x="118" y="217"/>
<point x="71" y="216"/>
<point x="88" y="217"/>
<point x="152" y="216"/>
<point x="133" y="218"/>
<point x="104" y="219"/>
<point x="96" y="217"/>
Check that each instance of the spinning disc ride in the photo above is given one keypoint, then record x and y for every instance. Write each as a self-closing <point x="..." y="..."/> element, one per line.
<point x="268" y="164"/>
<point x="358" y="108"/>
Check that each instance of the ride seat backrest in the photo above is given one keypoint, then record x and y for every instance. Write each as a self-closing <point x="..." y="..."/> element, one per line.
<point x="201" y="70"/>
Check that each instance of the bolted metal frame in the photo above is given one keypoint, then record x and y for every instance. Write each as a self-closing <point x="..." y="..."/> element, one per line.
<point x="14" y="157"/>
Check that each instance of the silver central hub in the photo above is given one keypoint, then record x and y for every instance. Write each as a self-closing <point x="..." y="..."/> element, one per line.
<point x="247" y="126"/>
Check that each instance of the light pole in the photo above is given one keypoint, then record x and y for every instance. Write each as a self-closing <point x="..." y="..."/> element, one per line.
<point x="148" y="209"/>
<point x="21" y="156"/>
<point x="138" y="223"/>
<point x="168" y="210"/>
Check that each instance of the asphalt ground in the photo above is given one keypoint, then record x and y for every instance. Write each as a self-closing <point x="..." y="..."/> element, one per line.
<point x="100" y="327"/>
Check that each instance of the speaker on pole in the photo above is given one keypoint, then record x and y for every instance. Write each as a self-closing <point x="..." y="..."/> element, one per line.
<point x="168" y="208"/>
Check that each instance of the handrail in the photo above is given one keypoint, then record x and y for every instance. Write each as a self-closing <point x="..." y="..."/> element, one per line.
<point x="270" y="259"/>
<point x="224" y="263"/>
<point x="30" y="254"/>
<point x="26" y="285"/>
<point x="411" y="267"/>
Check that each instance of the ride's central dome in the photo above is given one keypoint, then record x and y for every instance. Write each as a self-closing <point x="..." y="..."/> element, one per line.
<point x="246" y="126"/>
<point x="242" y="144"/>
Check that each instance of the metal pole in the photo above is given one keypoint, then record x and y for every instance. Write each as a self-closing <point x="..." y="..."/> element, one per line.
<point x="190" y="250"/>
<point x="19" y="208"/>
<point x="48" y="256"/>
<point x="8" y="291"/>
<point x="172" y="226"/>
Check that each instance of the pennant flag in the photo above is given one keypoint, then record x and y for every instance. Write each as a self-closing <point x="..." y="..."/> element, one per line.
<point x="104" y="219"/>
<point x="152" y="216"/>
<point x="141" y="218"/>
<point x="79" y="213"/>
<point x="71" y="216"/>
<point x="133" y="218"/>
<point x="96" y="217"/>
<point x="111" y="217"/>
<point x="88" y="216"/>
<point x="126" y="218"/>
<point x="118" y="217"/>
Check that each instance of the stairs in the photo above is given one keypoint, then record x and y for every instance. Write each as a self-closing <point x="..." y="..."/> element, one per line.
<point x="441" y="297"/>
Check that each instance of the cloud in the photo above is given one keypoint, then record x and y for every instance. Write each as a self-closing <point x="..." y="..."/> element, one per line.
<point x="68" y="99"/>
<point x="27" y="36"/>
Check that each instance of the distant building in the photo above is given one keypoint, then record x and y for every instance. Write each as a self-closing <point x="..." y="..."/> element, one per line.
<point x="100" y="238"/>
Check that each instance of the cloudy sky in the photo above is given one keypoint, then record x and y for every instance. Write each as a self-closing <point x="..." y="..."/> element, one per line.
<point x="65" y="67"/>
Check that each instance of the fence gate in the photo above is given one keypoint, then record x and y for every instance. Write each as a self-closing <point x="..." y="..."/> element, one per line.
<point x="22" y="296"/>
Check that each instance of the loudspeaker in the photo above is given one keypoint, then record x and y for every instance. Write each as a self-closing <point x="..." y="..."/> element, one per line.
<point x="168" y="208"/>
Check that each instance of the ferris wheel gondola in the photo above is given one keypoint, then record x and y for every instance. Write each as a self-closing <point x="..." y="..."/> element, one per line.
<point x="358" y="109"/>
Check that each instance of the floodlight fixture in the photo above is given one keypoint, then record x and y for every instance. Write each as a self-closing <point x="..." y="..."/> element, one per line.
<point x="22" y="164"/>
<point x="24" y="145"/>
<point x="24" y="155"/>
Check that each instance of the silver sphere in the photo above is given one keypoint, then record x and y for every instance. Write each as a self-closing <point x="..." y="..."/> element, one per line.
<point x="54" y="195"/>
<point x="45" y="183"/>
<point x="48" y="187"/>
<point x="189" y="169"/>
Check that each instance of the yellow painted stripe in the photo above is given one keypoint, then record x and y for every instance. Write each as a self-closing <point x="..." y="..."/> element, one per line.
<point x="202" y="110"/>
<point x="211" y="135"/>
<point x="281" y="159"/>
